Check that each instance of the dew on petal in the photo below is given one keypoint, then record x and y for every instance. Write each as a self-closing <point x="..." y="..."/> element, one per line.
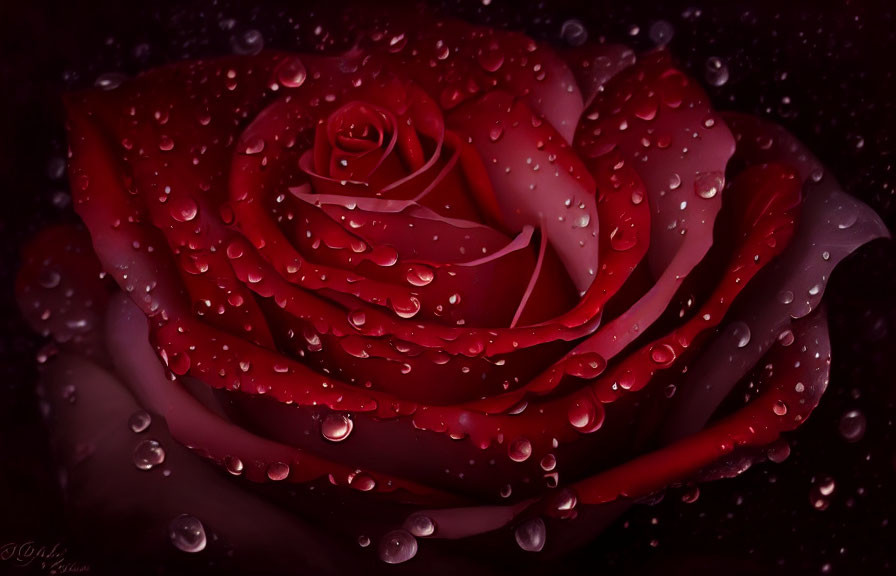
<point x="148" y="454"/>
<point x="519" y="450"/>
<point x="420" y="525"/>
<point x="234" y="465"/>
<point x="741" y="334"/>
<point x="708" y="184"/>
<point x="139" y="421"/>
<point x="336" y="427"/>
<point x="397" y="546"/>
<point x="531" y="535"/>
<point x="584" y="414"/>
<point x="291" y="73"/>
<point x="278" y="471"/>
<point x="187" y="534"/>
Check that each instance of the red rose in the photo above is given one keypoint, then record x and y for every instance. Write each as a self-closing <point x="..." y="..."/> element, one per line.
<point x="448" y="286"/>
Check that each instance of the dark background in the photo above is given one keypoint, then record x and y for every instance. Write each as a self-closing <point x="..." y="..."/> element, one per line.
<point x="827" y="74"/>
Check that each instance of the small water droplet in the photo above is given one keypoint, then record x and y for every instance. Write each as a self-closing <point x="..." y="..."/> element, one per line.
<point x="852" y="426"/>
<point x="183" y="208"/>
<point x="49" y="278"/>
<point x="336" y="427"/>
<point x="420" y="525"/>
<point x="139" y="421"/>
<point x="716" y="72"/>
<point x="661" y="32"/>
<point x="780" y="408"/>
<point x="708" y="184"/>
<point x="110" y="81"/>
<point x="519" y="450"/>
<point x="187" y="534"/>
<point x="405" y="308"/>
<point x="363" y="541"/>
<point x="531" y="535"/>
<point x="248" y="43"/>
<point x="278" y="471"/>
<point x="574" y="32"/>
<point x="548" y="462"/>
<point x="148" y="454"/>
<point x="663" y="354"/>
<point x="420" y="275"/>
<point x="234" y="465"/>
<point x="397" y="546"/>
<point x="674" y="181"/>
<point x="741" y="334"/>
<point x="361" y="482"/>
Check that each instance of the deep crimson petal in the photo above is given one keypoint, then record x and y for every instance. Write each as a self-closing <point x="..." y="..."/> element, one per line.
<point x="662" y="123"/>
<point x="458" y="61"/>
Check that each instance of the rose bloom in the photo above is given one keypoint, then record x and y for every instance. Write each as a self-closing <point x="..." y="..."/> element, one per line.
<point x="449" y="300"/>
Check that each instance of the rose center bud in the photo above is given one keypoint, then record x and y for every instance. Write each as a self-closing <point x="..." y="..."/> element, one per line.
<point x="360" y="138"/>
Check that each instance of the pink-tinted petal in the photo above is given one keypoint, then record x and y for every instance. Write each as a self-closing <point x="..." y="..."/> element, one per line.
<point x="537" y="179"/>
<point x="594" y="65"/>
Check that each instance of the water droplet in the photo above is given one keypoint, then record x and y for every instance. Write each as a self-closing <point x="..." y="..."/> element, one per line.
<point x="148" y="454"/>
<point x="49" y="278"/>
<point x="623" y="238"/>
<point x="785" y="297"/>
<point x="741" y="334"/>
<point x="183" y="208"/>
<point x="663" y="354"/>
<point x="166" y="143"/>
<point x="420" y="275"/>
<point x="291" y="73"/>
<point x="548" y="463"/>
<point x="708" y="184"/>
<point x="674" y="181"/>
<point x="716" y="72"/>
<point x="248" y="43"/>
<point x="405" y="308"/>
<point x="420" y="525"/>
<point x="691" y="494"/>
<point x="574" y="32"/>
<point x="336" y="427"/>
<point x="519" y="450"/>
<point x="852" y="426"/>
<point x="110" y="81"/>
<point x="531" y="535"/>
<point x="363" y="541"/>
<point x="397" y="546"/>
<point x="139" y="421"/>
<point x="361" y="482"/>
<point x="661" y="32"/>
<point x="187" y="534"/>
<point x="584" y="414"/>
<point x="820" y="492"/>
<point x="495" y="133"/>
<point x="780" y="408"/>
<point x="492" y="59"/>
<point x="278" y="471"/>
<point x="234" y="465"/>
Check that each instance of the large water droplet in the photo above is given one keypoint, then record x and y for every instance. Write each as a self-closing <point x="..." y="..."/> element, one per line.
<point x="397" y="546"/>
<point x="139" y="421"/>
<point x="336" y="427"/>
<point x="852" y="426"/>
<point x="531" y="535"/>
<point x="662" y="354"/>
<point x="420" y="525"/>
<point x="183" y="208"/>
<point x="187" y="534"/>
<point x="519" y="450"/>
<point x="405" y="307"/>
<point x="148" y="454"/>
<point x="291" y="72"/>
<point x="708" y="184"/>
